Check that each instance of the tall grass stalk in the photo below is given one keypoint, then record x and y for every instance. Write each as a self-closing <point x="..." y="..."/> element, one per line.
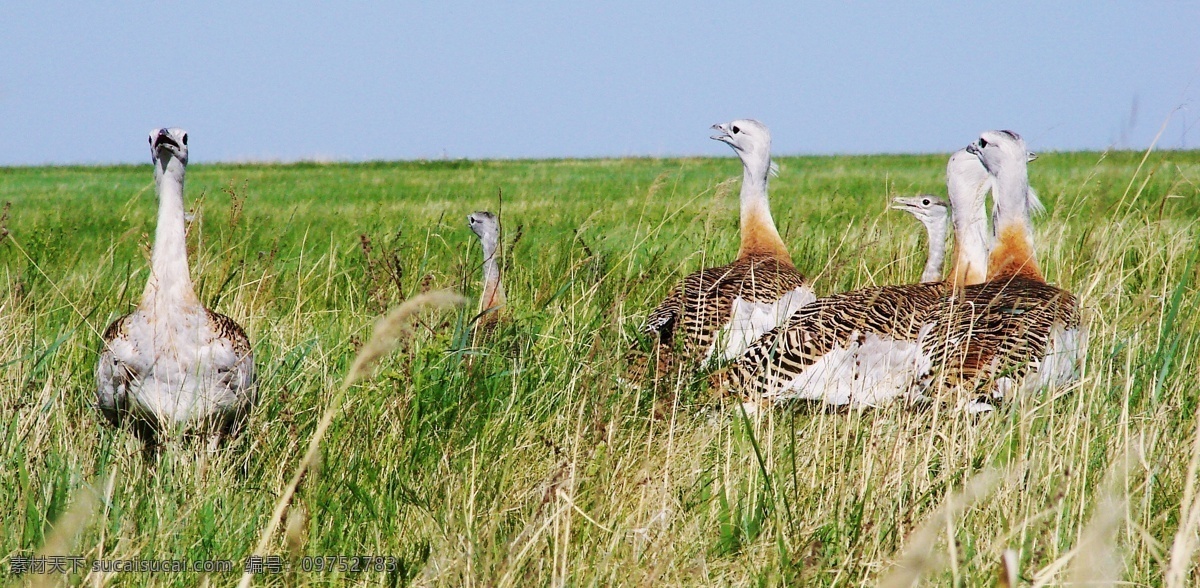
<point x="386" y="336"/>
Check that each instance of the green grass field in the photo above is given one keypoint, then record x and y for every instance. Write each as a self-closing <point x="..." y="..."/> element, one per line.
<point x="522" y="462"/>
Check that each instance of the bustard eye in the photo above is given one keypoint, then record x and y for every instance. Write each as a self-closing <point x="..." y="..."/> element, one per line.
<point x="185" y="139"/>
<point x="150" y="140"/>
<point x="983" y="142"/>
<point x="925" y="202"/>
<point x="736" y="130"/>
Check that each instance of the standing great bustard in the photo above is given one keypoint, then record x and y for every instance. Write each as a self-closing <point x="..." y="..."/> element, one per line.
<point x="173" y="364"/>
<point x="934" y="213"/>
<point x="719" y="311"/>
<point x="491" y="300"/>
<point x="862" y="347"/>
<point x="1015" y="331"/>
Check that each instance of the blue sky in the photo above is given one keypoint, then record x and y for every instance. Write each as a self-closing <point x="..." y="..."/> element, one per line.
<point x="84" y="82"/>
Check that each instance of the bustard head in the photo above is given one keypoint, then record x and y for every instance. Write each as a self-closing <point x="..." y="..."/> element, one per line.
<point x="1000" y="150"/>
<point x="486" y="226"/>
<point x="929" y="209"/>
<point x="750" y="139"/>
<point x="966" y="178"/>
<point x="995" y="148"/>
<point x="169" y="150"/>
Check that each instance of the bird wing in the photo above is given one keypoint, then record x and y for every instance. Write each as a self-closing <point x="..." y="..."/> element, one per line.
<point x="750" y="320"/>
<point x="703" y="303"/>
<point x="834" y="323"/>
<point x="998" y="329"/>
<point x="233" y="358"/>
<point x="115" y="371"/>
<point x="661" y="320"/>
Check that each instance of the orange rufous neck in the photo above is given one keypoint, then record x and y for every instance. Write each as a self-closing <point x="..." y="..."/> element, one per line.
<point x="759" y="236"/>
<point x="1013" y="255"/>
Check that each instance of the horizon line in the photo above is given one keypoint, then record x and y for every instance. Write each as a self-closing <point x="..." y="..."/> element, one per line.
<point x="325" y="160"/>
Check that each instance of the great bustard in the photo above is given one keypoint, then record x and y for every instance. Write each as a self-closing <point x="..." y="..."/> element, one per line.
<point x="717" y="312"/>
<point x="491" y="300"/>
<point x="934" y="213"/>
<point x="1014" y="332"/>
<point x="862" y="347"/>
<point x="172" y="364"/>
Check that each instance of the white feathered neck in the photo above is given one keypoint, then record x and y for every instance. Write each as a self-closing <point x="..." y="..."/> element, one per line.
<point x="170" y="282"/>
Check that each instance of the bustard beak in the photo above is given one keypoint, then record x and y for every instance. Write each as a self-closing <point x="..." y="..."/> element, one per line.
<point x="973" y="149"/>
<point x="163" y="138"/>
<point x="724" y="136"/>
<point x="903" y="203"/>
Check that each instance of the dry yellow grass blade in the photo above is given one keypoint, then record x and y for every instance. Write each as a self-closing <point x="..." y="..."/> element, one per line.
<point x="1098" y="561"/>
<point x="393" y="326"/>
<point x="1184" y="545"/>
<point x="61" y="541"/>
<point x="1010" y="575"/>
<point x="920" y="557"/>
<point x="388" y="331"/>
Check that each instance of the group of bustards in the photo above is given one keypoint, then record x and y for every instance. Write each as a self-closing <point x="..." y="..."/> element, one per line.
<point x="989" y="329"/>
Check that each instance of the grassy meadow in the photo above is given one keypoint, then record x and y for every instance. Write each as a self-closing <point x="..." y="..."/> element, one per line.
<point x="519" y="460"/>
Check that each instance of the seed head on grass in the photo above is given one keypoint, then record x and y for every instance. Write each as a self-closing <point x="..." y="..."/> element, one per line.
<point x="295" y="532"/>
<point x="390" y="329"/>
<point x="1009" y="575"/>
<point x="1098" y="560"/>
<point x="919" y="558"/>
<point x="61" y="540"/>
<point x="388" y="332"/>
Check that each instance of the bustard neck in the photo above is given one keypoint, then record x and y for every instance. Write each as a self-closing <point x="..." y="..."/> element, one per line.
<point x="1013" y="254"/>
<point x="493" y="289"/>
<point x="970" y="236"/>
<point x="936" y="231"/>
<point x="759" y="235"/>
<point x="170" y="282"/>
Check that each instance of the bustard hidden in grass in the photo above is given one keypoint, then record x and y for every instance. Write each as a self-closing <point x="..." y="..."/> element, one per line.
<point x="934" y="213"/>
<point x="1014" y="332"/>
<point x="717" y="312"/>
<point x="491" y="299"/>
<point x="862" y="347"/>
<point x="172" y="364"/>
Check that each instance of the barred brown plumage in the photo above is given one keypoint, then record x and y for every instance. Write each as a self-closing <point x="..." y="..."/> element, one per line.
<point x="780" y="359"/>
<point x="862" y="347"/>
<point x="703" y="302"/>
<point x="989" y="336"/>
<point x="718" y="311"/>
<point x="228" y="329"/>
